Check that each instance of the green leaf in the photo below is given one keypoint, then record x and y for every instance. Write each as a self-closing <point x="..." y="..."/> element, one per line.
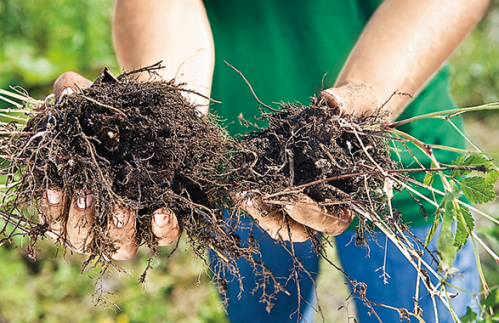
<point x="465" y="224"/>
<point x="449" y="196"/>
<point x="432" y="231"/>
<point x="428" y="179"/>
<point x="470" y="316"/>
<point x="477" y="190"/>
<point x="458" y="162"/>
<point x="492" y="299"/>
<point x="433" y="165"/>
<point x="492" y="176"/>
<point x="446" y="238"/>
<point x="472" y="160"/>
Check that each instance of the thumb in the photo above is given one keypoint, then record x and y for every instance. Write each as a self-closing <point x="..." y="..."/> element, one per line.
<point x="356" y="99"/>
<point x="68" y="83"/>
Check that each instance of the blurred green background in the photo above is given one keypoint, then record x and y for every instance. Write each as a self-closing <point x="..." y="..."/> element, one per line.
<point x="39" y="40"/>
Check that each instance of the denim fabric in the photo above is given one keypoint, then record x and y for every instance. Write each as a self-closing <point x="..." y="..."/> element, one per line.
<point x="401" y="286"/>
<point x="398" y="292"/>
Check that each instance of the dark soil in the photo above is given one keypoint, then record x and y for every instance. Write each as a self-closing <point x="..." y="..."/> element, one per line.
<point x="143" y="146"/>
<point x="139" y="145"/>
<point x="305" y="144"/>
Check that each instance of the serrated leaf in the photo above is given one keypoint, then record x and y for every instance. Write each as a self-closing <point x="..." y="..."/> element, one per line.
<point x="468" y="217"/>
<point x="428" y="179"/>
<point x="492" y="176"/>
<point x="432" y="231"/>
<point x="472" y="160"/>
<point x="458" y="162"/>
<point x="477" y="190"/>
<point x="461" y="236"/>
<point x="465" y="224"/>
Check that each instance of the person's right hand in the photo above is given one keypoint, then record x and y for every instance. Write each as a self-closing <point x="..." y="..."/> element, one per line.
<point x="71" y="218"/>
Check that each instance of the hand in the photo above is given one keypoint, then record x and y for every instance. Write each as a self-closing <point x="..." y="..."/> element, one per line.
<point x="356" y="99"/>
<point x="71" y="217"/>
<point x="305" y="217"/>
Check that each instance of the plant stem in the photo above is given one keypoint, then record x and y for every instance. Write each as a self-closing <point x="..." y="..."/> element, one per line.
<point x="449" y="113"/>
<point x="24" y="98"/>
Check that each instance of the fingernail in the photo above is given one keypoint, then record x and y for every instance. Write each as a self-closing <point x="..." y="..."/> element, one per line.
<point x="54" y="197"/>
<point x="249" y="202"/>
<point x="84" y="200"/>
<point x="288" y="207"/>
<point x="161" y="219"/>
<point x="121" y="218"/>
<point x="66" y="91"/>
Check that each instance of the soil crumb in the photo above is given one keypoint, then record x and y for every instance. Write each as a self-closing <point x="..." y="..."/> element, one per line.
<point x="138" y="145"/>
<point x="314" y="150"/>
<point x="144" y="146"/>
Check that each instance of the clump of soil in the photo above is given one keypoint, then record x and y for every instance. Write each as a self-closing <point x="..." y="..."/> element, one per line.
<point x="143" y="146"/>
<point x="314" y="150"/>
<point x="139" y="145"/>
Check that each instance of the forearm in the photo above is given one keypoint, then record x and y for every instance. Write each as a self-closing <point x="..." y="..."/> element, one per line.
<point x="406" y="42"/>
<point x="175" y="32"/>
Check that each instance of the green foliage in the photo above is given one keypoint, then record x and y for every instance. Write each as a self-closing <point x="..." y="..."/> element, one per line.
<point x="428" y="179"/>
<point x="445" y="242"/>
<point x="492" y="176"/>
<point x="465" y="224"/>
<point x="489" y="310"/>
<point x="471" y="160"/>
<point x="53" y="289"/>
<point x="448" y="212"/>
<point x="477" y="190"/>
<point x="39" y="40"/>
<point x="476" y="72"/>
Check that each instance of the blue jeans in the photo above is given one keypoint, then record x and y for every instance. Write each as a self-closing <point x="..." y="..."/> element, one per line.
<point x="401" y="286"/>
<point x="398" y="292"/>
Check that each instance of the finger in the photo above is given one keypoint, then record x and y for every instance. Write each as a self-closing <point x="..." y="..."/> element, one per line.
<point x="307" y="212"/>
<point x="81" y="217"/>
<point x="68" y="83"/>
<point x="353" y="99"/>
<point x="275" y="223"/>
<point x="165" y="226"/>
<point x="122" y="233"/>
<point x="52" y="212"/>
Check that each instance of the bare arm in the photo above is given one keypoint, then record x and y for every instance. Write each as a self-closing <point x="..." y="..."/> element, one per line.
<point x="405" y="43"/>
<point x="175" y="32"/>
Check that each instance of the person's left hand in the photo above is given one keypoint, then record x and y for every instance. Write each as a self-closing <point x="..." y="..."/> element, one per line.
<point x="297" y="221"/>
<point x="300" y="219"/>
<point x="356" y="99"/>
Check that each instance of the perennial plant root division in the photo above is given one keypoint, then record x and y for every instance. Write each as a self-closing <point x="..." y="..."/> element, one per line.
<point x="312" y="150"/>
<point x="143" y="146"/>
<point x="138" y="145"/>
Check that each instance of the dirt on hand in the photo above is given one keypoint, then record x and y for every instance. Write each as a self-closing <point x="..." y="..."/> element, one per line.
<point x="144" y="146"/>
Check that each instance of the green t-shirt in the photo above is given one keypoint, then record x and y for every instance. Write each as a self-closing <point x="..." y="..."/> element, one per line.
<point x="289" y="50"/>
